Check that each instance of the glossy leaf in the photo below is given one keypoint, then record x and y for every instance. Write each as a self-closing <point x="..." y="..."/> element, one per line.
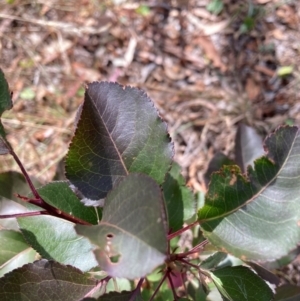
<point x="47" y="281"/>
<point x="213" y="261"/>
<point x="241" y="214"/>
<point x="5" y="104"/>
<point x="8" y="207"/>
<point x="132" y="229"/>
<point x="55" y="239"/>
<point x="282" y="261"/>
<point x="241" y="284"/>
<point x="248" y="146"/>
<point x="61" y="196"/>
<point x="27" y="256"/>
<point x="14" y="251"/>
<point x="118" y="132"/>
<point x="11" y="243"/>
<point x="180" y="201"/>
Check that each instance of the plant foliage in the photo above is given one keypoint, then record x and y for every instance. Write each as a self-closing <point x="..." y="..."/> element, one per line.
<point x="118" y="227"/>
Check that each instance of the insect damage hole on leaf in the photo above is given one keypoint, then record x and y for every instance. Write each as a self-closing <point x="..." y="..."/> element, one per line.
<point x="113" y="256"/>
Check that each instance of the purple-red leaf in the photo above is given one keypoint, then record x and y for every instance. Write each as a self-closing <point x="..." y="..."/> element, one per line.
<point x="118" y="132"/>
<point x="47" y="281"/>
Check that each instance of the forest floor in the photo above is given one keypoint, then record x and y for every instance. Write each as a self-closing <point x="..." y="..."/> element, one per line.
<point x="207" y="65"/>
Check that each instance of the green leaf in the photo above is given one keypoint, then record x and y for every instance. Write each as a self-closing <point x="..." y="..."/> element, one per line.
<point x="61" y="196"/>
<point x="27" y="256"/>
<point x="248" y="146"/>
<point x="132" y="230"/>
<point x="8" y="207"/>
<point x="164" y="294"/>
<point x="55" y="239"/>
<point x="215" y="6"/>
<point x="118" y="285"/>
<point x="116" y="296"/>
<point x="5" y="97"/>
<point x="143" y="10"/>
<point x="5" y="104"/>
<point x="265" y="274"/>
<point x="287" y="292"/>
<point x="27" y="94"/>
<point x="47" y="281"/>
<point x="180" y="201"/>
<point x="212" y="261"/>
<point x="283" y="261"/>
<point x="12" y="243"/>
<point x="240" y="284"/>
<point x="11" y="183"/>
<point x="241" y="214"/>
<point x="196" y="291"/>
<point x="285" y="70"/>
<point x="118" y="132"/>
<point x="215" y="164"/>
<point x="14" y="251"/>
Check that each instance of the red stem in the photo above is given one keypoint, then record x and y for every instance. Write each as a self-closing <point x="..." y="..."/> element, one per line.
<point x="172" y="285"/>
<point x="159" y="285"/>
<point x="98" y="286"/>
<point x="56" y="212"/>
<point x="38" y="201"/>
<point x="193" y="250"/>
<point x="34" y="213"/>
<point x="137" y="290"/>
<point x="25" y="174"/>
<point x="174" y="234"/>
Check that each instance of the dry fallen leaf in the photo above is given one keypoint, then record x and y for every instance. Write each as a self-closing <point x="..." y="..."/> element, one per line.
<point x="252" y="89"/>
<point x="211" y="52"/>
<point x="288" y="15"/>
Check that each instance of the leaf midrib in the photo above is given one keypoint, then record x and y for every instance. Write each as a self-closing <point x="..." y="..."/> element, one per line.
<point x="125" y="232"/>
<point x="258" y="192"/>
<point x="109" y="134"/>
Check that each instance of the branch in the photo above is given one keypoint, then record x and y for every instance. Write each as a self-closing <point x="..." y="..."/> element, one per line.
<point x="137" y="290"/>
<point x="172" y="286"/>
<point x="25" y="214"/>
<point x="172" y="235"/>
<point x="159" y="285"/>
<point x="102" y="282"/>
<point x="38" y="201"/>
<point x="52" y="210"/>
<point x="24" y="172"/>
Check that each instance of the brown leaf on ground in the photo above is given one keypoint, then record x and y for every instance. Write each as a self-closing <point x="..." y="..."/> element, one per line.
<point x="288" y="15"/>
<point x="265" y="70"/>
<point x="85" y="74"/>
<point x="211" y="52"/>
<point x="252" y="89"/>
